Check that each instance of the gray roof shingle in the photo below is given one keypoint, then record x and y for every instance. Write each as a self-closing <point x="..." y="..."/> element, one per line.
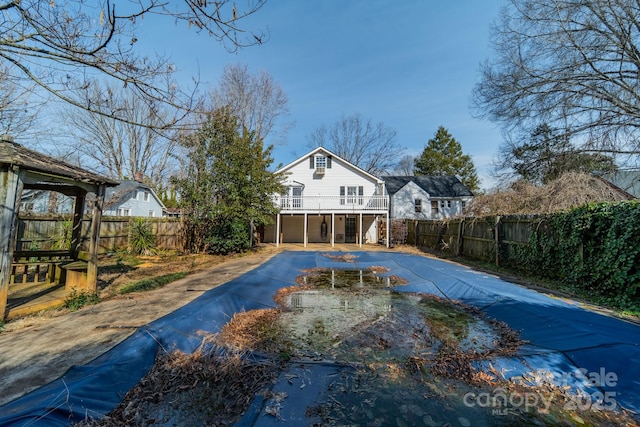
<point x="436" y="186"/>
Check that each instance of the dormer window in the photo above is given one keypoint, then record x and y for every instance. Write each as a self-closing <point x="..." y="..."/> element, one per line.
<point x="321" y="164"/>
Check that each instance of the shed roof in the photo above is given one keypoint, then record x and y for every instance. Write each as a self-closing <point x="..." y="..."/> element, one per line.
<point x="12" y="153"/>
<point x="436" y="186"/>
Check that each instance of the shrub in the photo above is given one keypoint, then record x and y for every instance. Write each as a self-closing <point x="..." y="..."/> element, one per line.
<point x="142" y="241"/>
<point x="229" y="237"/>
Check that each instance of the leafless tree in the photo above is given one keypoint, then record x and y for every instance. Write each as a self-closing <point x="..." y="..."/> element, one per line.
<point x="120" y="148"/>
<point x="370" y="146"/>
<point x="571" y="64"/>
<point x="17" y="110"/>
<point x="255" y="99"/>
<point x="64" y="45"/>
<point x="405" y="166"/>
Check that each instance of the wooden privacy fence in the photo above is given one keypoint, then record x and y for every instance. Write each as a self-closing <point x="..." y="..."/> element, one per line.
<point x="495" y="239"/>
<point x="47" y="233"/>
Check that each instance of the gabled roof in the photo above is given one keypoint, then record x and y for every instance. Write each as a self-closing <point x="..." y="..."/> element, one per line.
<point x="125" y="188"/>
<point x="625" y="180"/>
<point x="326" y="152"/>
<point x="435" y="186"/>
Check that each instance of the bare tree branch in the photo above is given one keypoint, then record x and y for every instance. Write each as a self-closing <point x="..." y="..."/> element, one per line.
<point x="63" y="46"/>
<point x="572" y="64"/>
<point x="256" y="100"/>
<point x="120" y="148"/>
<point x="370" y="146"/>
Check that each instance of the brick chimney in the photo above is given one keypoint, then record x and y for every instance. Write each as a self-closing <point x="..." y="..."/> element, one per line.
<point x="138" y="176"/>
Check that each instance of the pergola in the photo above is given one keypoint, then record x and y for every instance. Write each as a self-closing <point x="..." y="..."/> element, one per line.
<point x="23" y="169"/>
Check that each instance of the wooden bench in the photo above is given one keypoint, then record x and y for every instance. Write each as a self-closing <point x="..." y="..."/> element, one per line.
<point x="75" y="275"/>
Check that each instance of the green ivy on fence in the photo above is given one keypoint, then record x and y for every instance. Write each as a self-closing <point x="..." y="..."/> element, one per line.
<point x="594" y="248"/>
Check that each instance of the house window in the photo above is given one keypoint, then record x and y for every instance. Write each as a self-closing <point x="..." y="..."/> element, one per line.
<point x="152" y="213"/>
<point x="284" y="200"/>
<point x="124" y="212"/>
<point x="292" y="198"/>
<point x="146" y="196"/>
<point x="321" y="162"/>
<point x="296" y="197"/>
<point x="418" y="205"/>
<point x="134" y="195"/>
<point x="435" y="207"/>
<point x="351" y="195"/>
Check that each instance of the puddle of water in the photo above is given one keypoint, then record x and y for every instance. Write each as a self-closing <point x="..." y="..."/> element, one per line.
<point x="356" y="316"/>
<point x="350" y="279"/>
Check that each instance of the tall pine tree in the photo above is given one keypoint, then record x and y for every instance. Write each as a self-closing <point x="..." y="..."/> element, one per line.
<point x="442" y="156"/>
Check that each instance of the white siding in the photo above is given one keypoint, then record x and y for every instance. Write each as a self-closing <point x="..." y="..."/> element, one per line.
<point x="403" y="203"/>
<point x="321" y="199"/>
<point x="340" y="174"/>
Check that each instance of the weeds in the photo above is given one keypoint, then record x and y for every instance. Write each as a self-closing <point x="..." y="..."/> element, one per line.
<point x="153" y="283"/>
<point x="78" y="299"/>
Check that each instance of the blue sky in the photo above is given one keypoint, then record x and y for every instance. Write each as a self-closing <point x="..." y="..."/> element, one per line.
<point x="409" y="64"/>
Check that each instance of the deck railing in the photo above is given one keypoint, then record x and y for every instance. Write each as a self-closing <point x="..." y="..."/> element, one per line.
<point x="347" y="203"/>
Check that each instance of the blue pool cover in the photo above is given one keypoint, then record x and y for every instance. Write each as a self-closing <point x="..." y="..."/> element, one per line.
<point x="563" y="337"/>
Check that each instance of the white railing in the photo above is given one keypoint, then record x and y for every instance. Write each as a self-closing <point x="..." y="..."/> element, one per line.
<point x="350" y="203"/>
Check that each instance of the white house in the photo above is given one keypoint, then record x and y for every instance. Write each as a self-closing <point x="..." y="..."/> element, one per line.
<point x="328" y="200"/>
<point x="426" y="197"/>
<point x="132" y="198"/>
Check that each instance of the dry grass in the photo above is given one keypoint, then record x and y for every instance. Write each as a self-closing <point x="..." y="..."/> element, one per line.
<point x="569" y="191"/>
<point x="212" y="386"/>
<point x="114" y="272"/>
<point x="255" y="330"/>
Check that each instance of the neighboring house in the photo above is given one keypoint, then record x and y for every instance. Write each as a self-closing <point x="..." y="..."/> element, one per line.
<point x="626" y="180"/>
<point x="426" y="197"/>
<point x="41" y="202"/>
<point x="328" y="200"/>
<point x="132" y="198"/>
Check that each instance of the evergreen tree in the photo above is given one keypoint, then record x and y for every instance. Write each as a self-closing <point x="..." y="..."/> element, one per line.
<point x="227" y="187"/>
<point x="546" y="156"/>
<point x="442" y="156"/>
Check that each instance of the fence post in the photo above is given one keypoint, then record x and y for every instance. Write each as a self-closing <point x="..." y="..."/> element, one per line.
<point x="460" y="237"/>
<point x="441" y="230"/>
<point x="498" y="234"/>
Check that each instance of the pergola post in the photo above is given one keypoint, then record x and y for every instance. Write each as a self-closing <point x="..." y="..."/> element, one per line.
<point x="76" y="231"/>
<point x="94" y="240"/>
<point x="10" y="192"/>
